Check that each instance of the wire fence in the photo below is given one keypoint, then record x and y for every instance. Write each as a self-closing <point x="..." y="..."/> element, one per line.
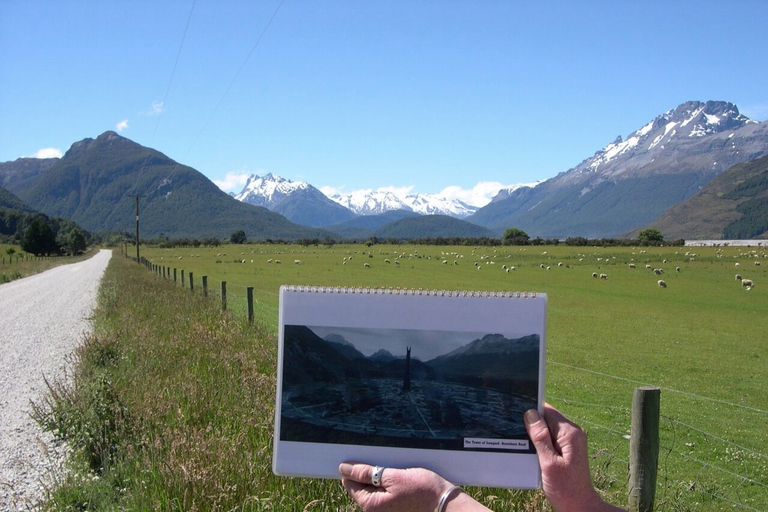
<point x="704" y="469"/>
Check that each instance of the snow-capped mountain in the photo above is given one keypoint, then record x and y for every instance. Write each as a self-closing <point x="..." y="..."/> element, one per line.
<point x="294" y="198"/>
<point x="298" y="201"/>
<point x="431" y="204"/>
<point x="370" y="202"/>
<point x="631" y="182"/>
<point x="676" y="129"/>
<point x="269" y="190"/>
<point x="375" y="202"/>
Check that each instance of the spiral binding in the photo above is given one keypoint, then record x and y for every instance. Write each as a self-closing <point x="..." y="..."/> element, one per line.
<point x="409" y="291"/>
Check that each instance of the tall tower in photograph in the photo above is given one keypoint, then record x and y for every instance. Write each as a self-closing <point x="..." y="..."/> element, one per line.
<point x="407" y="376"/>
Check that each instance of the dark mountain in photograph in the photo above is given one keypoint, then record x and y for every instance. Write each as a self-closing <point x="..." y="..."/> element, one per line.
<point x="343" y="347"/>
<point x="631" y="183"/>
<point x="492" y="357"/>
<point x="96" y="182"/>
<point x="309" y="359"/>
<point x="485" y="362"/>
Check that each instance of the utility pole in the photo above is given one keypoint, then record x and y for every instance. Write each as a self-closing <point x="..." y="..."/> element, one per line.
<point x="137" y="227"/>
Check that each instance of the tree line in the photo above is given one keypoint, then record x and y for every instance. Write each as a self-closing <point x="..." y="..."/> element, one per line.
<point x="41" y="235"/>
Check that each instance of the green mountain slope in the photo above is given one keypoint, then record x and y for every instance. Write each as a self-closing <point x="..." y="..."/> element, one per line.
<point x="21" y="174"/>
<point x="96" y="182"/>
<point x="734" y="205"/>
<point x="9" y="201"/>
<point x="432" y="226"/>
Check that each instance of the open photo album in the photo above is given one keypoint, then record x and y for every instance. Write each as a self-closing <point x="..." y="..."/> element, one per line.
<point x="409" y="378"/>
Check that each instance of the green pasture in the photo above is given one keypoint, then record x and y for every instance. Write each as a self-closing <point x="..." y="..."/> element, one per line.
<point x="703" y="339"/>
<point x="20" y="264"/>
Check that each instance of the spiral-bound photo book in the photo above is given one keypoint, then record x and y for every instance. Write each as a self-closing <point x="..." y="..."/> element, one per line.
<point x="409" y="378"/>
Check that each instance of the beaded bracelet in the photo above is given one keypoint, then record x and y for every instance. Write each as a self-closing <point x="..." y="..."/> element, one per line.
<point x="444" y="498"/>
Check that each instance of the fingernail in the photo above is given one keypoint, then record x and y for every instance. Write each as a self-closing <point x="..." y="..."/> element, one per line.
<point x="345" y="469"/>
<point x="531" y="416"/>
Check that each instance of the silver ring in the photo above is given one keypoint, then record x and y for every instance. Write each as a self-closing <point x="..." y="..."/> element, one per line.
<point x="376" y="478"/>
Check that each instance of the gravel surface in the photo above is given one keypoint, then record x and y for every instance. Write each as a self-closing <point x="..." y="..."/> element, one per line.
<point x="42" y="319"/>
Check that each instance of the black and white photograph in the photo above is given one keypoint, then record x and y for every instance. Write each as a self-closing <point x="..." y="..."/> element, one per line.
<point x="408" y="388"/>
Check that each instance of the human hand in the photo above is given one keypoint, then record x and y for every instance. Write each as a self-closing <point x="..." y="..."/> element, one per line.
<point x="401" y="490"/>
<point x="562" y="449"/>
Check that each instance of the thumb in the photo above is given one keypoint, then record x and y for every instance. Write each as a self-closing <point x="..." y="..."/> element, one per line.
<point x="538" y="431"/>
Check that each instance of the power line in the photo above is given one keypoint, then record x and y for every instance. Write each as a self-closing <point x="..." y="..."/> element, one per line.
<point x="167" y="91"/>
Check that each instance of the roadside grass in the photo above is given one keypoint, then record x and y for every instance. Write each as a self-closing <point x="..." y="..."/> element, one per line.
<point x="701" y="339"/>
<point x="21" y="264"/>
<point x="169" y="406"/>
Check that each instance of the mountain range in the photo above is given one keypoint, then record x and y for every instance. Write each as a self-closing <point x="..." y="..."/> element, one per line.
<point x="662" y="175"/>
<point x="278" y="193"/>
<point x="631" y="183"/>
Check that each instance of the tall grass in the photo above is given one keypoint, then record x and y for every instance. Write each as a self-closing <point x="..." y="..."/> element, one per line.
<point x="702" y="339"/>
<point x="20" y="264"/>
<point x="170" y="407"/>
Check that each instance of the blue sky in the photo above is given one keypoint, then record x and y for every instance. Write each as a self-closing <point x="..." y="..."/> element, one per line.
<point x="417" y="95"/>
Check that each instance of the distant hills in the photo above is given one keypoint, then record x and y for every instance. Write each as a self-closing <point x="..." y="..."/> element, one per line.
<point x="680" y="173"/>
<point x="96" y="181"/>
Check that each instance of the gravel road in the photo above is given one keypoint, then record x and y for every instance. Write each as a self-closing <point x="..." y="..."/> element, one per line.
<point x="42" y="319"/>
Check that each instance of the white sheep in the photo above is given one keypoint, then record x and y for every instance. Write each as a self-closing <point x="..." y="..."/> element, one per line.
<point x="632" y="265"/>
<point x="662" y="283"/>
<point x="366" y="265"/>
<point x="594" y="274"/>
<point x="297" y="262"/>
<point x="658" y="271"/>
<point x="738" y="277"/>
<point x="747" y="282"/>
<point x="603" y="276"/>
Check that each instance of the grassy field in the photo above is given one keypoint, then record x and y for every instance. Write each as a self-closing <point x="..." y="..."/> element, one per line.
<point x="20" y="264"/>
<point x="187" y="393"/>
<point x="701" y="339"/>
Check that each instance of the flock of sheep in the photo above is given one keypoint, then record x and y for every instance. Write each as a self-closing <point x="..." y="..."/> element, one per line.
<point x="482" y="260"/>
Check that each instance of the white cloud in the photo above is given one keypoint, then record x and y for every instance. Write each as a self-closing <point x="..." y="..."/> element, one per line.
<point x="331" y="191"/>
<point x="234" y="181"/>
<point x="155" y="110"/>
<point x="48" y="153"/>
<point x="122" y="125"/>
<point x="479" y="195"/>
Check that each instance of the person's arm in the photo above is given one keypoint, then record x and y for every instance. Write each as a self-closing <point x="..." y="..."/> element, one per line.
<point x="562" y="449"/>
<point x="403" y="490"/>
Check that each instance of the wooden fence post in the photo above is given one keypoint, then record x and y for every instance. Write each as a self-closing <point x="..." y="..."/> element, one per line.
<point x="191" y="282"/>
<point x="205" y="286"/>
<point x="249" y="295"/>
<point x="223" y="295"/>
<point x="644" y="448"/>
<point x="174" y="275"/>
<point x="182" y="278"/>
